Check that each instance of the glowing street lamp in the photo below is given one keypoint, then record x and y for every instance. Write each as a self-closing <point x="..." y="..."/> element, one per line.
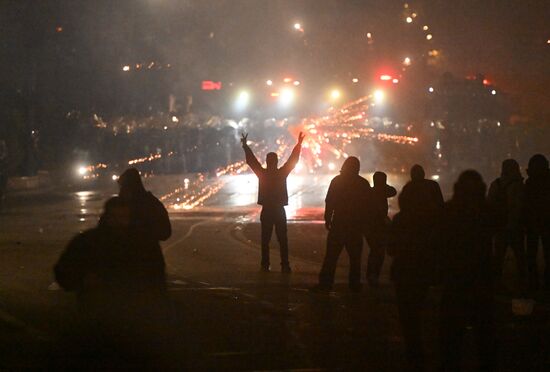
<point x="242" y="101"/>
<point x="378" y="96"/>
<point x="125" y="68"/>
<point x="335" y="94"/>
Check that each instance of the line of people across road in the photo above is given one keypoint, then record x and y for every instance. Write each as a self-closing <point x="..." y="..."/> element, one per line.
<point x="118" y="267"/>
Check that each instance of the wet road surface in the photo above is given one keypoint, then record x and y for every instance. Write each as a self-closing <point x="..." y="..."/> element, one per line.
<point x="229" y="315"/>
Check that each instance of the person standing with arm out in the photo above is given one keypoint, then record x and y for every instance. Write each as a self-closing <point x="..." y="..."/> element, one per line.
<point x="273" y="197"/>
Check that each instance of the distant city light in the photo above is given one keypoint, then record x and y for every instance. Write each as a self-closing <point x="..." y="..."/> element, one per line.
<point x="114" y="177"/>
<point x="407" y="61"/>
<point x="82" y="170"/>
<point x="498" y="123"/>
<point x="405" y="5"/>
<point x="378" y="96"/>
<point x="354" y="80"/>
<point x="165" y="127"/>
<point x="414" y="15"/>
<point x="385" y="77"/>
<point x="296" y="82"/>
<point x="175" y="119"/>
<point x="493" y="92"/>
<point x="409" y="20"/>
<point x="331" y="166"/>
<point x="335" y="94"/>
<point x="435" y="177"/>
<point x="369" y="35"/>
<point x="425" y="28"/>
<point x="287" y="80"/>
<point x="431" y="89"/>
<point x="126" y="68"/>
<point x="395" y="81"/>
<point x="297" y="26"/>
<point x="429" y="37"/>
<point x="269" y="82"/>
<point x="59" y="29"/>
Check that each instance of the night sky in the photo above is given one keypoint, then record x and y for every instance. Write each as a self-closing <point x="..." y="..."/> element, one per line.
<point x="73" y="50"/>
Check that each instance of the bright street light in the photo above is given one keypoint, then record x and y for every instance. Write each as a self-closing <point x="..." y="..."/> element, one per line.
<point x="286" y="96"/>
<point x="335" y="94"/>
<point x="242" y="100"/>
<point x="378" y="96"/>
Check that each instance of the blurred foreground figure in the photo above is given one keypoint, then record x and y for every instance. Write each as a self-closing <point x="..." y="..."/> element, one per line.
<point x="414" y="258"/>
<point x="464" y="240"/>
<point x="378" y="226"/>
<point x="125" y="316"/>
<point x="110" y="268"/>
<point x="345" y="210"/>
<point x="273" y="196"/>
<point x="506" y="198"/>
<point x="537" y="218"/>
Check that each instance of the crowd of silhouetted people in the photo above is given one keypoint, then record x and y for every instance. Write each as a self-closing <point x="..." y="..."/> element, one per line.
<point x="118" y="272"/>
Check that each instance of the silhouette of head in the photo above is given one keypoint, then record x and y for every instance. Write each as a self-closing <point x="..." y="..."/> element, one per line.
<point x="271" y="160"/>
<point x="510" y="169"/>
<point x="538" y="165"/>
<point x="379" y="178"/>
<point x="351" y="166"/>
<point x="470" y="187"/>
<point x="116" y="214"/>
<point x="130" y="183"/>
<point x="417" y="173"/>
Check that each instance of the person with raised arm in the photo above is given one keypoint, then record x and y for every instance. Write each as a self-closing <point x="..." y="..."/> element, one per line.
<point x="273" y="196"/>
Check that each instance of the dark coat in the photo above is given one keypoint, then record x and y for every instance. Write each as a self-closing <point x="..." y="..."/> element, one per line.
<point x="464" y="241"/>
<point x="347" y="202"/>
<point x="102" y="260"/>
<point x="272" y="190"/>
<point x="536" y="212"/>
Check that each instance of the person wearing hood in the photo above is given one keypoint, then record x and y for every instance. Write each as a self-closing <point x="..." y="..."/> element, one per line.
<point x="537" y="218"/>
<point x="273" y="197"/>
<point x="377" y="229"/>
<point x="346" y="202"/>
<point x="148" y="216"/>
<point x="506" y="197"/>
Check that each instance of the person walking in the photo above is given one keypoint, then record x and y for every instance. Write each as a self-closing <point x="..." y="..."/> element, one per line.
<point x="273" y="197"/>
<point x="537" y="218"/>
<point x="346" y="204"/>
<point x="377" y="230"/>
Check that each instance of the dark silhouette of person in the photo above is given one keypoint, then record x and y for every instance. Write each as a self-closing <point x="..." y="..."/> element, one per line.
<point x="125" y="314"/>
<point x="414" y="259"/>
<point x="537" y="218"/>
<point x="148" y="217"/>
<point x="110" y="267"/>
<point x="506" y="198"/>
<point x="378" y="226"/>
<point x="422" y="194"/>
<point x="464" y="240"/>
<point x="346" y="201"/>
<point x="273" y="196"/>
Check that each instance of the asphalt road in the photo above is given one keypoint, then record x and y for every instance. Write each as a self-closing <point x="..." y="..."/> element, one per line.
<point x="227" y="315"/>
